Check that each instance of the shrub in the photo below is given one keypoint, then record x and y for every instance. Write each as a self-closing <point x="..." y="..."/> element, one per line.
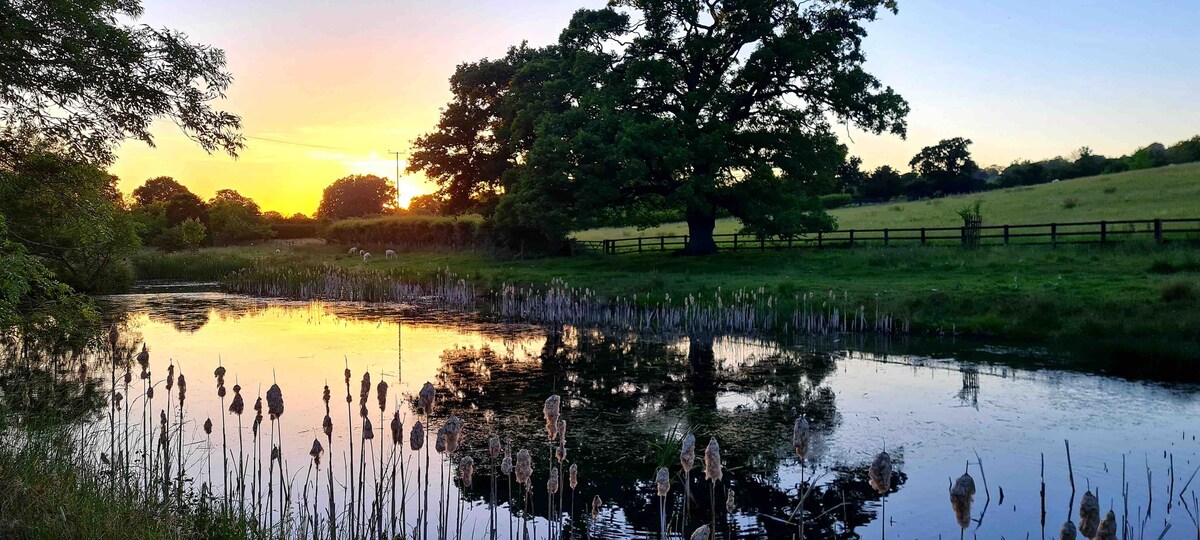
<point x="1069" y="203"/>
<point x="1180" y="290"/>
<point x="411" y="231"/>
<point x="835" y="200"/>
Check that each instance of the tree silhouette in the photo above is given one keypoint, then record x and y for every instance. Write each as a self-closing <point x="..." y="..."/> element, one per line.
<point x="160" y="189"/>
<point x="947" y="166"/>
<point x="356" y="196"/>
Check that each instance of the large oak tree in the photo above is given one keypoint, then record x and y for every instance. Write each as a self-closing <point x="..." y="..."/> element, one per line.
<point x="704" y="106"/>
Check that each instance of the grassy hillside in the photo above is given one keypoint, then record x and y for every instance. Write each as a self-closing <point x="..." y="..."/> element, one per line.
<point x="1163" y="192"/>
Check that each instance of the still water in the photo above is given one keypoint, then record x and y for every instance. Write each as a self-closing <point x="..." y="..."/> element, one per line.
<point x="628" y="399"/>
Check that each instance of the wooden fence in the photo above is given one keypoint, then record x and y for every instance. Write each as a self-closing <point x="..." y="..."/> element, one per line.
<point x="1053" y="234"/>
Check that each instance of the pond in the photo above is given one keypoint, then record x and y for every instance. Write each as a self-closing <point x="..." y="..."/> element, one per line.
<point x="938" y="407"/>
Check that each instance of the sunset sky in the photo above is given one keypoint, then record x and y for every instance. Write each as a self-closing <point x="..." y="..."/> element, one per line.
<point x="326" y="89"/>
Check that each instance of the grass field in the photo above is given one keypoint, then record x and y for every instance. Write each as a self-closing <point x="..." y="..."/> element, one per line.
<point x="1165" y="192"/>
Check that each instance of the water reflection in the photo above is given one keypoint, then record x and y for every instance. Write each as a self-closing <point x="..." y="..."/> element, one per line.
<point x="628" y="398"/>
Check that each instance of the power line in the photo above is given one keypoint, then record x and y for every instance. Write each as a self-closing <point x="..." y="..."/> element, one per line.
<point x="296" y="143"/>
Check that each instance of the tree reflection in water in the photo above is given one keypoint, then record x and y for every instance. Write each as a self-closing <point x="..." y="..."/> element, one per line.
<point x="629" y="399"/>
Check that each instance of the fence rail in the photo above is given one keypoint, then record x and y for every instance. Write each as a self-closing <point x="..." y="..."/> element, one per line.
<point x="1160" y="231"/>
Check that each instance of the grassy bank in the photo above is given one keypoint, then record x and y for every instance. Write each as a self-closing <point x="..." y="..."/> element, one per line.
<point x="1143" y="296"/>
<point x="1165" y="192"/>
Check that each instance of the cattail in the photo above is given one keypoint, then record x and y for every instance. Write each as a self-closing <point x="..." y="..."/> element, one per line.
<point x="143" y="358"/>
<point x="381" y="394"/>
<point x="596" y="504"/>
<point x="397" y="429"/>
<point x="219" y="373"/>
<point x="275" y="454"/>
<point x="453" y="429"/>
<point x="440" y="444"/>
<point x="170" y="377"/>
<point x="416" y="437"/>
<point x="961" y="496"/>
<point x="663" y="481"/>
<point x="466" y="470"/>
<point x="560" y="453"/>
<point x="362" y="410"/>
<point x="117" y="397"/>
<point x="368" y="432"/>
<point x="1068" y="531"/>
<point x="494" y="446"/>
<point x="327" y="426"/>
<point x="506" y="465"/>
<point x="182" y="389"/>
<point x="128" y="377"/>
<point x="524" y="466"/>
<point x="1089" y="515"/>
<point x="364" y="391"/>
<point x="552" y="482"/>
<point x="702" y="533"/>
<point x="573" y="474"/>
<point x="800" y="436"/>
<point x="274" y="402"/>
<point x="427" y="397"/>
<point x="880" y="473"/>
<point x="208" y="426"/>
<point x="712" y="461"/>
<point x="221" y="391"/>
<point x="729" y="504"/>
<point x="316" y="451"/>
<point x="562" y="430"/>
<point x="258" y="418"/>
<point x="1108" y="527"/>
<point x="687" y="453"/>
<point x="347" y="375"/>
<point x="237" y="405"/>
<point x="325" y="398"/>
<point x="551" y="412"/>
<point x="150" y="392"/>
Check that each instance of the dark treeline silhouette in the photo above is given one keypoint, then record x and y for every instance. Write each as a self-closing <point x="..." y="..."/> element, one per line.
<point x="171" y="217"/>
<point x="947" y="169"/>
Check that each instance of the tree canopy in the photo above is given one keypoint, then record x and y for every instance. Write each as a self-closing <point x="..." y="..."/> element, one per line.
<point x="356" y="196"/>
<point x="643" y="105"/>
<point x="78" y="75"/>
<point x="947" y="166"/>
<point x="160" y="189"/>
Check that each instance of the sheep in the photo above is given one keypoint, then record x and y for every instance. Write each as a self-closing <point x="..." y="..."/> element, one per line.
<point x="353" y="250"/>
<point x="366" y="256"/>
<point x="389" y="254"/>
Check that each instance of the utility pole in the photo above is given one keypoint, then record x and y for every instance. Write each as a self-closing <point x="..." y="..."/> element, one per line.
<point x="397" y="154"/>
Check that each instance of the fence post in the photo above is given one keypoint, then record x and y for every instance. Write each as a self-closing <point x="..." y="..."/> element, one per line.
<point x="1158" y="231"/>
<point x="735" y="241"/>
<point x="922" y="236"/>
<point x="1006" y="235"/>
<point x="885" y="238"/>
<point x="662" y="243"/>
<point x="639" y="244"/>
<point x="1053" y="235"/>
<point x="1103" y="232"/>
<point x="851" y="237"/>
<point x="820" y="239"/>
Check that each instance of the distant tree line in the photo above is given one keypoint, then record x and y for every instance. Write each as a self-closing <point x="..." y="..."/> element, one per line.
<point x="169" y="216"/>
<point x="948" y="169"/>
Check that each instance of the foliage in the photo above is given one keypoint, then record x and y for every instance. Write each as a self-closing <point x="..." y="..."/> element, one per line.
<point x="704" y="108"/>
<point x="185" y="206"/>
<point x="85" y="80"/>
<point x="70" y="215"/>
<point x="412" y="231"/>
<point x="160" y="189"/>
<point x="836" y="200"/>
<point x="235" y="219"/>
<point x="189" y="234"/>
<point x="297" y="226"/>
<point x="357" y="196"/>
<point x="947" y="167"/>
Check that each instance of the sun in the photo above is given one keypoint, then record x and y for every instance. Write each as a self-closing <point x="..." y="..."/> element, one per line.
<point x="384" y="166"/>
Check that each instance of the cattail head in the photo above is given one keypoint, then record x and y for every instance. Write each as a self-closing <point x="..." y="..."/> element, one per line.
<point x="712" y="461"/>
<point x="551" y="411"/>
<point x="116" y="399"/>
<point x="1089" y="515"/>
<point x="316" y="451"/>
<point x="275" y="453"/>
<point x="238" y="405"/>
<point x="506" y="465"/>
<point x="258" y="418"/>
<point x="494" y="446"/>
<point x="687" y="452"/>
<point x="208" y="426"/>
<point x="1108" y="527"/>
<point x="182" y="389"/>
<point x="800" y="436"/>
<point x="221" y="390"/>
<point x="364" y="390"/>
<point x="128" y="377"/>
<point x="880" y="473"/>
<point x="170" y="376"/>
<point x="274" y="402"/>
<point x="596" y="504"/>
<point x="560" y="453"/>
<point x="258" y="405"/>
<point x="362" y="410"/>
<point x="397" y="429"/>
<point x="466" y="470"/>
<point x="439" y="445"/>
<point x="143" y="358"/>
<point x="325" y="398"/>
<point x="524" y="466"/>
<point x="1068" y="531"/>
<point x="562" y="430"/>
<point x="702" y="533"/>
<point x="961" y="496"/>
<point x="144" y="375"/>
<point x="662" y="480"/>
<point x="150" y="392"/>
<point x="237" y="388"/>
<point x="416" y="437"/>
<point x="347" y="376"/>
<point x="573" y="475"/>
<point x="427" y="397"/>
<point x="454" y="426"/>
<point x="730" y="506"/>
<point x="552" y="482"/>
<point x="368" y="432"/>
<point x="381" y="394"/>
<point x="327" y="426"/>
<point x="219" y="373"/>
